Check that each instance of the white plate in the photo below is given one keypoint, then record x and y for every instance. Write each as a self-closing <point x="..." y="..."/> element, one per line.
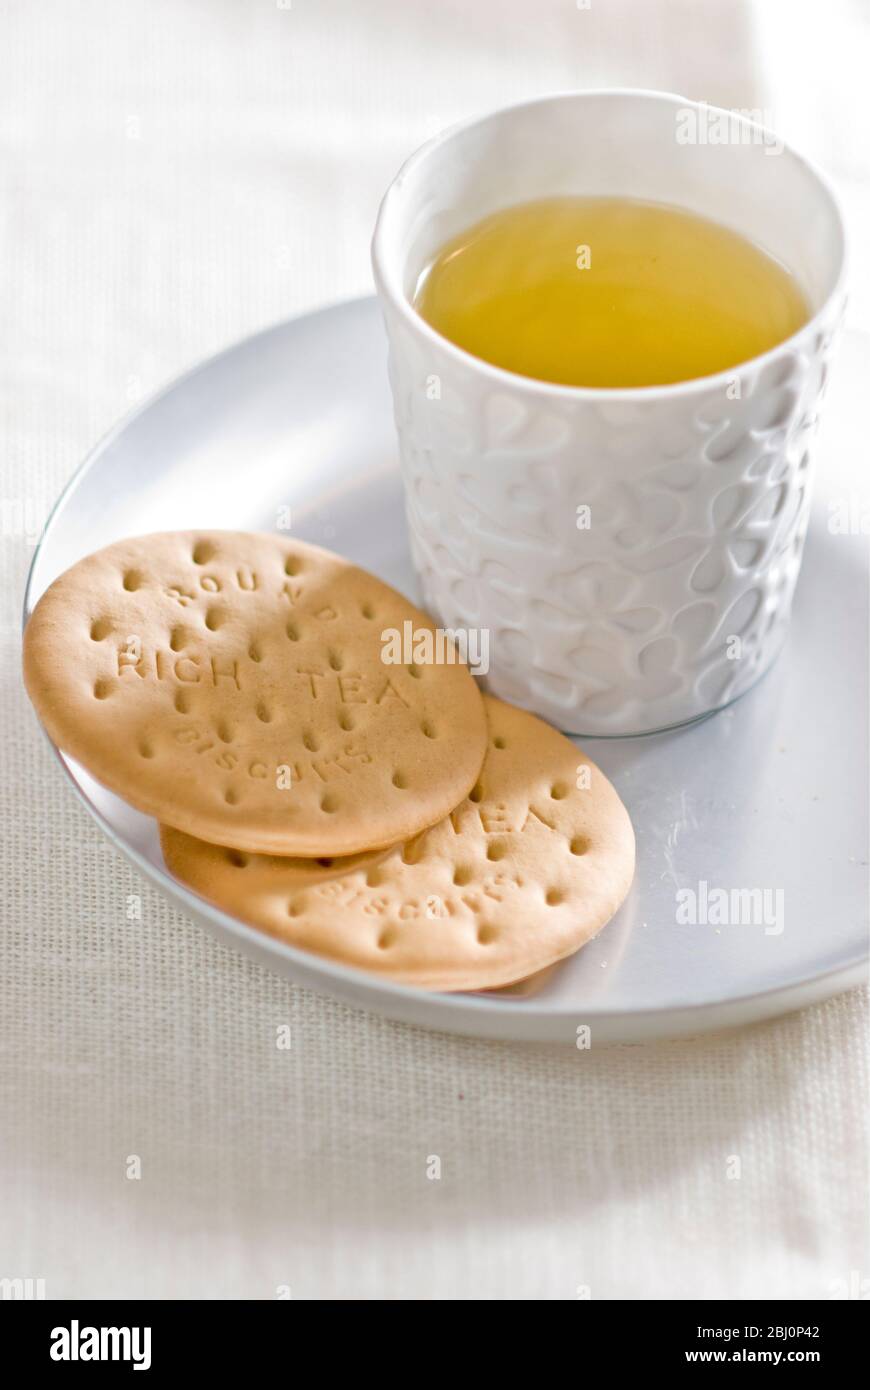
<point x="770" y="794"/>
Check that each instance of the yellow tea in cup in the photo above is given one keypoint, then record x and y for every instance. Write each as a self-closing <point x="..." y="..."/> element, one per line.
<point x="608" y="292"/>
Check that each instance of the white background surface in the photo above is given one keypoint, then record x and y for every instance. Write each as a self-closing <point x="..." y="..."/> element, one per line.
<point x="173" y="176"/>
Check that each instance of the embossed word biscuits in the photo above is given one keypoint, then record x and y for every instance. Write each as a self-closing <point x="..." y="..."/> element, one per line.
<point x="521" y="874"/>
<point x="231" y="685"/>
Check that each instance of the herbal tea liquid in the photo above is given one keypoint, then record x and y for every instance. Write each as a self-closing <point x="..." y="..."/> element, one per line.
<point x="608" y="292"/>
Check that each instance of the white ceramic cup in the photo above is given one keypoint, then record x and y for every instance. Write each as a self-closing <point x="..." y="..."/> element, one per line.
<point x="673" y="594"/>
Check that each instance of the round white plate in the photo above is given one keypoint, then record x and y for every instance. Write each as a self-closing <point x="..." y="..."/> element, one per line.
<point x="769" y="795"/>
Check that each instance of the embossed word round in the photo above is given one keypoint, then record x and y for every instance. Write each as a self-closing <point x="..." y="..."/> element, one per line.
<point x="530" y="866"/>
<point x="231" y="684"/>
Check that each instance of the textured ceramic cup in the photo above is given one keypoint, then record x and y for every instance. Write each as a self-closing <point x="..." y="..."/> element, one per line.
<point x="671" y="595"/>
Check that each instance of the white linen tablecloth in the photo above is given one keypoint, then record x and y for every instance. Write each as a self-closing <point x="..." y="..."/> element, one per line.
<point x="175" y="175"/>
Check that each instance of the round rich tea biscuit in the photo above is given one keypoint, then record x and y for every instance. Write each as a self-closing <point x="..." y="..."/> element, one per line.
<point x="530" y="866"/>
<point x="236" y="686"/>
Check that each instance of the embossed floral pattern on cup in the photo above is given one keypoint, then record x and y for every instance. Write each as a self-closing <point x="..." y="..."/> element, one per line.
<point x="633" y="554"/>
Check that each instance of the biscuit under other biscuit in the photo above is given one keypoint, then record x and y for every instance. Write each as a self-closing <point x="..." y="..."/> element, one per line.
<point x="521" y="874"/>
<point x="233" y="685"/>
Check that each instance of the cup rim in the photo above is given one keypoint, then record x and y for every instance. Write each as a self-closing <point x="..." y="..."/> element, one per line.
<point x="388" y="281"/>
